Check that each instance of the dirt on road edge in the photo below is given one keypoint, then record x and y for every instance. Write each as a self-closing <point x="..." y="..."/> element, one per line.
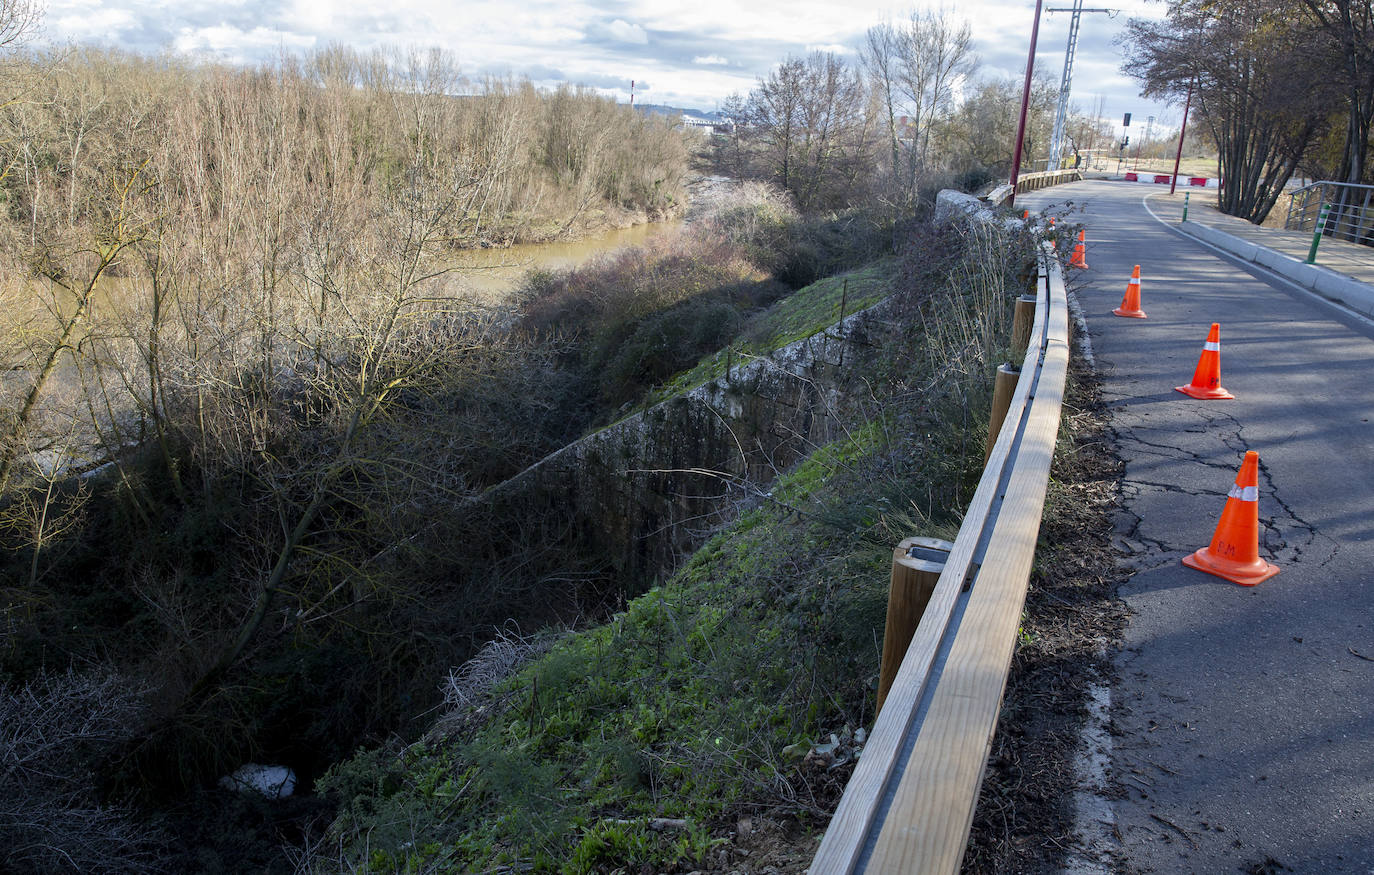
<point x="1024" y="822"/>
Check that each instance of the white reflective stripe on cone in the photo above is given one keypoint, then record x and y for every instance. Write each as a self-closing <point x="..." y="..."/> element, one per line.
<point x="1244" y="493"/>
<point x="1212" y="347"/>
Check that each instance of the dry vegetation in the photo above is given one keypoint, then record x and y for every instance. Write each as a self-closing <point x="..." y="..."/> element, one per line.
<point x="243" y="404"/>
<point x="238" y="381"/>
<point x="687" y="731"/>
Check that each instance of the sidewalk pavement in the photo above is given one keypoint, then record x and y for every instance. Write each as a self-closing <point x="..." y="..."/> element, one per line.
<point x="1344" y="272"/>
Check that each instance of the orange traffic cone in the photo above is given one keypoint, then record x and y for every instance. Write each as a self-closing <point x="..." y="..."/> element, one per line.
<point x="1130" y="303"/>
<point x="1234" y="551"/>
<point x="1207" y="378"/>
<point x="1080" y="251"/>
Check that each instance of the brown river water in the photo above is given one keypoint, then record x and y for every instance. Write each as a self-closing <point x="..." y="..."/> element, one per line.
<point x="493" y="274"/>
<point x="497" y="272"/>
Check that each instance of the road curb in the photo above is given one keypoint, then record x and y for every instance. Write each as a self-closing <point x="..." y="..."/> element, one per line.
<point x="1323" y="281"/>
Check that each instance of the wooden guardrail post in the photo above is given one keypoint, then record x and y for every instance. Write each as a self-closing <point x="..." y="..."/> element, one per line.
<point x="1023" y="317"/>
<point x="916" y="566"/>
<point x="909" y="805"/>
<point x="1002" y="388"/>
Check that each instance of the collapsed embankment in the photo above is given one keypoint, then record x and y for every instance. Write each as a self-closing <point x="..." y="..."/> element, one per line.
<point x="731" y="694"/>
<point x="641" y="492"/>
<point x="796" y="453"/>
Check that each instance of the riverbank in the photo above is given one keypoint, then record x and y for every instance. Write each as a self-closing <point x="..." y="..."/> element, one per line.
<point x="721" y="711"/>
<point x="293" y="551"/>
<point x="494" y="271"/>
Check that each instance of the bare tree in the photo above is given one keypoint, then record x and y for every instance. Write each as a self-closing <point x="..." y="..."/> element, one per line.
<point x="882" y="61"/>
<point x="810" y="120"/>
<point x="981" y="132"/>
<point x="1349" y="24"/>
<point x="731" y="150"/>
<point x="917" y="67"/>
<point x="18" y="20"/>
<point x="120" y="231"/>
<point x="1257" y="89"/>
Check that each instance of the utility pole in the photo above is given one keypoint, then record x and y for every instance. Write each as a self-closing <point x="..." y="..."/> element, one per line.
<point x="1025" y="105"/>
<point x="1178" y="156"/>
<point x="1149" y="130"/>
<point x="1061" y="112"/>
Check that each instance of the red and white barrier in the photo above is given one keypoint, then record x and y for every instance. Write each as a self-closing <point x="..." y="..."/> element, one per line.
<point x="1166" y="178"/>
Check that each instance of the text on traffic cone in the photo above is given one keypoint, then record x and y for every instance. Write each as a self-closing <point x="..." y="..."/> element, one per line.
<point x="1234" y="551"/>
<point x="1130" y="302"/>
<point x="1207" y="376"/>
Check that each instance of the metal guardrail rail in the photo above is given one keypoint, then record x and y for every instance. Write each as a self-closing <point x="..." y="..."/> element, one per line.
<point x="909" y="804"/>
<point x="1350" y="214"/>
<point x="1033" y="182"/>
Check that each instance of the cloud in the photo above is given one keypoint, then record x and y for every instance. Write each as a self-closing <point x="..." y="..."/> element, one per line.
<point x="310" y="15"/>
<point x="229" y="43"/>
<point x="611" y="83"/>
<point x="621" y="31"/>
<point x="545" y="73"/>
<point x="696" y="53"/>
<point x="94" y="22"/>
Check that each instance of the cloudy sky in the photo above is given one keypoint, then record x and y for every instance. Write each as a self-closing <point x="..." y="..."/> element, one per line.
<point x="689" y="53"/>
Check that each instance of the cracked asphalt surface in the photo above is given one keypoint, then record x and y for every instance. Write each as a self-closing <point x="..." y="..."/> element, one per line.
<point x="1243" y="718"/>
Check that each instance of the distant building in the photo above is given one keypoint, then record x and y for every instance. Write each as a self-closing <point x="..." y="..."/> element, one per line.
<point x="697" y="121"/>
<point x="708" y="122"/>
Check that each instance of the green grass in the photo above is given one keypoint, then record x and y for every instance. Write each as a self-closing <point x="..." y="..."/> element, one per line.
<point x="679" y="707"/>
<point x="698" y="701"/>
<point x="802" y="314"/>
<point x="818" y="306"/>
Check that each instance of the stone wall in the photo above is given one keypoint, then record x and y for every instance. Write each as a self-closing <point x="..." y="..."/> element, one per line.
<point x="641" y="493"/>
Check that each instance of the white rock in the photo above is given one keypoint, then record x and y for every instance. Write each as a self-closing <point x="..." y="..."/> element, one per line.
<point x="273" y="782"/>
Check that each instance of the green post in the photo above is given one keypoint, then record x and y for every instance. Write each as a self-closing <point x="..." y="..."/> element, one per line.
<point x="1317" y="235"/>
<point x="1185" y="205"/>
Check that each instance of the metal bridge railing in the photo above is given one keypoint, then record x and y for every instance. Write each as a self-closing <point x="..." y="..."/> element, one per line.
<point x="1350" y="214"/>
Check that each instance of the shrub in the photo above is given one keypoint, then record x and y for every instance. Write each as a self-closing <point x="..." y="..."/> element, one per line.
<point x="635" y="318"/>
<point x="975" y="179"/>
<point x="684" y="706"/>
<point x="665" y="343"/>
<point x="753" y="215"/>
<point x="795" y="249"/>
<point x="53" y="731"/>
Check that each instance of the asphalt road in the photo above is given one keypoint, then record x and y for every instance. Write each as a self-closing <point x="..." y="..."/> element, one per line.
<point x="1242" y="718"/>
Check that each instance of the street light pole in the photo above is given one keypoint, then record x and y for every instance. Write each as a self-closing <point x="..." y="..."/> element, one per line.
<point x="1025" y="105"/>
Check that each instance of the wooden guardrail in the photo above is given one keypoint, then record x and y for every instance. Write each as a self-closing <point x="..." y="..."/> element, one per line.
<point x="909" y="805"/>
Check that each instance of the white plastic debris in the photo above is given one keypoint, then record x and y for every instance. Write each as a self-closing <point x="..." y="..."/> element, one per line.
<point x="273" y="782"/>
